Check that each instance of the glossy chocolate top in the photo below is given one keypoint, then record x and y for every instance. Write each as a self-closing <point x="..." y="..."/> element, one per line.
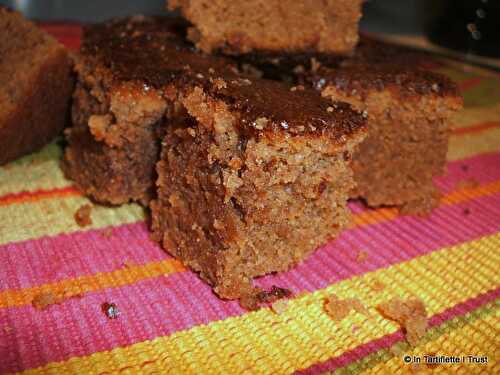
<point x="377" y="66"/>
<point x="271" y="107"/>
<point x="153" y="51"/>
<point x="149" y="50"/>
<point x="360" y="78"/>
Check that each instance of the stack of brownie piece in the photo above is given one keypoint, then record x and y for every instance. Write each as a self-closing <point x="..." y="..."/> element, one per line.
<point x="246" y="175"/>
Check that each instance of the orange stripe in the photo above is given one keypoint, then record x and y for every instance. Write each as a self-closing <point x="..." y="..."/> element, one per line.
<point x="371" y="217"/>
<point x="477" y="128"/>
<point x="34" y="196"/>
<point x="69" y="288"/>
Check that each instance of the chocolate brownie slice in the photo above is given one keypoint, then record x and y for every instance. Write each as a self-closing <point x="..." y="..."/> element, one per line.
<point x="408" y="110"/>
<point x="253" y="177"/>
<point x="35" y="86"/>
<point x="126" y="74"/>
<point x="272" y="25"/>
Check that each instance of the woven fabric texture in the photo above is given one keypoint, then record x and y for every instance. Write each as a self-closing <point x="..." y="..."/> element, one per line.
<point x="170" y="322"/>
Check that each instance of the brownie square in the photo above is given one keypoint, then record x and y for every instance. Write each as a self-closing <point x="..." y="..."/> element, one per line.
<point x="237" y="27"/>
<point x="408" y="110"/>
<point x="35" y="86"/>
<point x="252" y="178"/>
<point x="126" y="72"/>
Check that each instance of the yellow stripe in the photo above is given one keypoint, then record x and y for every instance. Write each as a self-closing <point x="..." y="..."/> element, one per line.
<point x="88" y="283"/>
<point x="52" y="217"/>
<point x="263" y="342"/>
<point x="34" y="172"/>
<point x="468" y="145"/>
<point x="479" y="337"/>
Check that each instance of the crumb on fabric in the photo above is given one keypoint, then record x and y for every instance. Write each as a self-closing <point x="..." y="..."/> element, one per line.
<point x="466" y="211"/>
<point x="82" y="215"/>
<point x="338" y="309"/>
<point x="107" y="233"/>
<point x="276" y="293"/>
<point x="410" y="314"/>
<point x="377" y="286"/>
<point x="254" y="298"/>
<point x="468" y="183"/>
<point x="110" y="310"/>
<point x="416" y="367"/>
<point x="362" y="256"/>
<point x="396" y="350"/>
<point x="44" y="300"/>
<point x="279" y="306"/>
<point x="129" y="264"/>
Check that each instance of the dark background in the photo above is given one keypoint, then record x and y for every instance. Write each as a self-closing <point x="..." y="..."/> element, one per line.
<point x="402" y="16"/>
<point x="471" y="26"/>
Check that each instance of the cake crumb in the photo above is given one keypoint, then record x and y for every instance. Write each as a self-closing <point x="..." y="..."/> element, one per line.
<point x="416" y="367"/>
<point x="338" y="309"/>
<point x="44" y="300"/>
<point x="468" y="183"/>
<point x="107" y="233"/>
<point x="110" y="310"/>
<point x="82" y="215"/>
<point x="410" y="314"/>
<point x="299" y="69"/>
<point x="276" y="293"/>
<point x="315" y="65"/>
<point x="279" y="306"/>
<point x="377" y="286"/>
<point x="396" y="350"/>
<point x="219" y="83"/>
<point x="362" y="256"/>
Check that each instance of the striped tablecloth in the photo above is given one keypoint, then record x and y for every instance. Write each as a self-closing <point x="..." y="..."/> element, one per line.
<point x="170" y="322"/>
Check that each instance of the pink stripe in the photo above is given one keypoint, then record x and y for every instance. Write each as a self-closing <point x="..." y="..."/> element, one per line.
<point x="483" y="168"/>
<point x="149" y="309"/>
<point x="388" y="340"/>
<point x="389" y="243"/>
<point x="49" y="259"/>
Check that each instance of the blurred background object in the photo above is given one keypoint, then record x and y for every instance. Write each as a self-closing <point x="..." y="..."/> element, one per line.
<point x="468" y="26"/>
<point x="83" y="11"/>
<point x="471" y="26"/>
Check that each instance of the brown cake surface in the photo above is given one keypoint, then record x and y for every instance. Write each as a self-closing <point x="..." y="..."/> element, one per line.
<point x="252" y="179"/>
<point x="35" y="86"/>
<point x="272" y="25"/>
<point x="126" y="74"/>
<point x="408" y="112"/>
